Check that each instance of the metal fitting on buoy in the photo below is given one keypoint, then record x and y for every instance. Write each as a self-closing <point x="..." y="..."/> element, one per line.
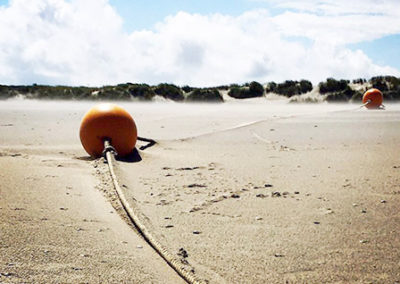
<point x="108" y="148"/>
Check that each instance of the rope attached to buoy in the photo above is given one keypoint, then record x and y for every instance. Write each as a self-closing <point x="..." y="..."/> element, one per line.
<point x="373" y="99"/>
<point x="150" y="142"/>
<point x="382" y="106"/>
<point x="173" y="262"/>
<point x="100" y="122"/>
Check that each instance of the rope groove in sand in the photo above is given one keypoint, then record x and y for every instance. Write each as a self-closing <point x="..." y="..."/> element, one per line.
<point x="137" y="220"/>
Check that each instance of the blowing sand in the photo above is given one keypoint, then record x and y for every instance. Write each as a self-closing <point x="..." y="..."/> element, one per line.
<point x="253" y="192"/>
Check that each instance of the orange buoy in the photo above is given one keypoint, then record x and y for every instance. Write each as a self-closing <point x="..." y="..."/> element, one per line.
<point x="372" y="98"/>
<point x="108" y="122"/>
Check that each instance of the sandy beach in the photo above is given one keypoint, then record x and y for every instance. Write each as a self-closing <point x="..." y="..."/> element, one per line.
<point x="253" y="191"/>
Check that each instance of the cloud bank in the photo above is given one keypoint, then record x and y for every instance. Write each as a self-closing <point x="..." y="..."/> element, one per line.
<point x="82" y="42"/>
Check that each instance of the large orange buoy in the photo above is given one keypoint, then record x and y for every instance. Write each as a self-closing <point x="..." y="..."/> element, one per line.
<point x="108" y="122"/>
<point x="372" y="98"/>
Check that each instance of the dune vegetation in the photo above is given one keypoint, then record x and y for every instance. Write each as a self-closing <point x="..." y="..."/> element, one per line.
<point x="331" y="90"/>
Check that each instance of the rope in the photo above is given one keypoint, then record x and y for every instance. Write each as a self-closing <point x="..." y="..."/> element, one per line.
<point x="382" y="106"/>
<point x="150" y="142"/>
<point x="137" y="220"/>
<point x="109" y="153"/>
<point x="366" y="103"/>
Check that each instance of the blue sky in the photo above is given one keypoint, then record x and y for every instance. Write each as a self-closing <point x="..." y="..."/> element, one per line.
<point x="207" y="42"/>
<point x="384" y="51"/>
<point x="145" y="14"/>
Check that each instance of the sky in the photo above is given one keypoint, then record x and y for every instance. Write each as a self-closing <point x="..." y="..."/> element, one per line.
<point x="197" y="43"/>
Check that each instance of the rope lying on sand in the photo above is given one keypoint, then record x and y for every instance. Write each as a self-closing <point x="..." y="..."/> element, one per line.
<point x="133" y="213"/>
<point x="173" y="262"/>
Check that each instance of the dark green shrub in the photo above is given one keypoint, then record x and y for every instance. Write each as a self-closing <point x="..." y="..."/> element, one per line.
<point x="271" y="87"/>
<point x="331" y="86"/>
<point x="385" y="83"/>
<point x="342" y="96"/>
<point x="239" y="93"/>
<point x="187" y="89"/>
<point x="392" y="95"/>
<point x="379" y="83"/>
<point x="388" y="85"/>
<point x="253" y="90"/>
<point x="305" y="86"/>
<point x="113" y="93"/>
<point x="394" y="83"/>
<point x="81" y="93"/>
<point x="256" y="89"/>
<point x="287" y="88"/>
<point x="169" y="91"/>
<point x="205" y="95"/>
<point x="290" y="88"/>
<point x="141" y="91"/>
<point x="6" y="92"/>
<point x="234" y="92"/>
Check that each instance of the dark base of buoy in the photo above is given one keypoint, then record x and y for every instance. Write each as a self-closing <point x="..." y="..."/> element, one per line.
<point x="133" y="157"/>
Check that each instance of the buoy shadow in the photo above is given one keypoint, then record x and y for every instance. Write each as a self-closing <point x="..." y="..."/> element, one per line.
<point x="133" y="157"/>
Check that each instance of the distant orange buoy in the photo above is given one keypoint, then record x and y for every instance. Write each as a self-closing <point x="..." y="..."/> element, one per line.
<point x="108" y="121"/>
<point x="372" y="98"/>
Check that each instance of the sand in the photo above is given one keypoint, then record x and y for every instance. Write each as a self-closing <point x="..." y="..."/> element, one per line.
<point x="253" y="191"/>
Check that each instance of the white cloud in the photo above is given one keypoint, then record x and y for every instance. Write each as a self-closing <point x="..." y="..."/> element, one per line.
<point x="83" y="42"/>
<point x="340" y="7"/>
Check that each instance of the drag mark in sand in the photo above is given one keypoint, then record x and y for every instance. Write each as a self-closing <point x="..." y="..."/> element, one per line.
<point x="261" y="139"/>
<point x="242" y="125"/>
<point x="138" y="220"/>
<point x="255" y="122"/>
